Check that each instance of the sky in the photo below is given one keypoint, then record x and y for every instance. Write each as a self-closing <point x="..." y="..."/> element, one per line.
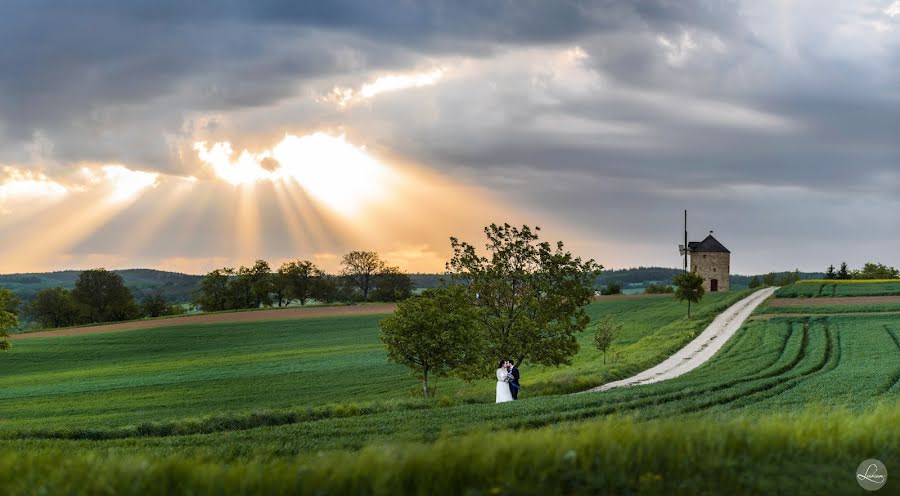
<point x="194" y="135"/>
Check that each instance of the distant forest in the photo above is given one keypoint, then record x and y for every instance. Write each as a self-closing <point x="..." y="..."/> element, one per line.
<point x="179" y="288"/>
<point x="176" y="287"/>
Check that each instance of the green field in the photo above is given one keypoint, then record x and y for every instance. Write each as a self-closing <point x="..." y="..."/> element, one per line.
<point x="825" y="288"/>
<point x="125" y="378"/>
<point x="313" y="406"/>
<point x="830" y="309"/>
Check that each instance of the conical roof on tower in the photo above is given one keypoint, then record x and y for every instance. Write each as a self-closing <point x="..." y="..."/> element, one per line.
<point x="710" y="244"/>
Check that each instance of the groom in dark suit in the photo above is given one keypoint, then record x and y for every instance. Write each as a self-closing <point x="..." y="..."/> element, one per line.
<point x="513" y="384"/>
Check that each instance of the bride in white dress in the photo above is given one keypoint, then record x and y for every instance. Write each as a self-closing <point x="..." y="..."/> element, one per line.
<point x="503" y="392"/>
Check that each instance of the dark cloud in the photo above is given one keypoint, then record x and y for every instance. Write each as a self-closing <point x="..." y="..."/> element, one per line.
<point x="73" y="64"/>
<point x="740" y="110"/>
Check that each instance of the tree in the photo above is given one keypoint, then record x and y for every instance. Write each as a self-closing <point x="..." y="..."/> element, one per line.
<point x="688" y="287"/>
<point x="829" y="274"/>
<point x="280" y="281"/>
<point x="9" y="301"/>
<point x="102" y="297"/>
<point x="876" y="271"/>
<point x="257" y="283"/>
<point x="54" y="307"/>
<point x="392" y="285"/>
<point x="155" y="305"/>
<point x="8" y="321"/>
<point x="755" y="282"/>
<point x="301" y="277"/>
<point x="361" y="268"/>
<point x="769" y="279"/>
<point x="326" y="288"/>
<point x="612" y="288"/>
<point x="213" y="295"/>
<point x="789" y="278"/>
<point x="843" y="272"/>
<point x="659" y="289"/>
<point x="606" y="332"/>
<point x="529" y="296"/>
<point x="433" y="334"/>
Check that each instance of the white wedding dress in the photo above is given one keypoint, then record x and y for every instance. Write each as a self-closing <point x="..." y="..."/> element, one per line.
<point x="503" y="392"/>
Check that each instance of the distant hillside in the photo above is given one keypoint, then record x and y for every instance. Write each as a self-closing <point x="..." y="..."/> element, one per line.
<point x="633" y="280"/>
<point x="175" y="286"/>
<point x="178" y="288"/>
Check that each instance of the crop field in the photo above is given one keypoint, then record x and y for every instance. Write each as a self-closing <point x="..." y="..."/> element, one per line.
<point x="275" y="408"/>
<point x="126" y="378"/>
<point x="831" y="288"/>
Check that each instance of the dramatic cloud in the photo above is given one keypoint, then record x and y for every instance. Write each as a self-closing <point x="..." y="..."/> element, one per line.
<point x="774" y="123"/>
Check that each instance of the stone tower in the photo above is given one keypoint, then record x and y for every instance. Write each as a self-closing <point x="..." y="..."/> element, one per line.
<point x="712" y="261"/>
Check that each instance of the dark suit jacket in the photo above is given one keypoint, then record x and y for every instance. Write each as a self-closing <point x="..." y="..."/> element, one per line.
<point x="515" y="373"/>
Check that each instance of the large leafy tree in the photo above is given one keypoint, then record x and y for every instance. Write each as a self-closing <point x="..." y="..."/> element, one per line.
<point x="254" y="285"/>
<point x="8" y="320"/>
<point x="212" y="296"/>
<point x="434" y="334"/>
<point x="529" y="294"/>
<point x="9" y="301"/>
<point x="102" y="296"/>
<point x="300" y="278"/>
<point x="9" y="310"/>
<point x="155" y="304"/>
<point x="54" y="307"/>
<point x="361" y="268"/>
<point x="392" y="285"/>
<point x="876" y="271"/>
<point x="688" y="287"/>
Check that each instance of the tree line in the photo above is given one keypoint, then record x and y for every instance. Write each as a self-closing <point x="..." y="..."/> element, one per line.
<point x="98" y="296"/>
<point x="772" y="279"/>
<point x="363" y="277"/>
<point x="869" y="271"/>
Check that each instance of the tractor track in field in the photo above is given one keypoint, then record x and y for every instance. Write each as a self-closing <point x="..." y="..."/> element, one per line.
<point x="220" y="318"/>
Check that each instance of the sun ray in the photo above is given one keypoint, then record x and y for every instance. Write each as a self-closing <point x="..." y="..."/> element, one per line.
<point x="172" y="203"/>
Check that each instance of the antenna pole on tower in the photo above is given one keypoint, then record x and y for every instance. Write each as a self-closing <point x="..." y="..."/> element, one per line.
<point x="685" y="240"/>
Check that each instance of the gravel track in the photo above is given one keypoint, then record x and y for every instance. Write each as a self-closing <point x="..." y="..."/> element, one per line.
<point x="701" y="349"/>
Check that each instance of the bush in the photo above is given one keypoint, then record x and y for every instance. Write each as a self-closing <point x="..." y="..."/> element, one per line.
<point x="612" y="288"/>
<point x="659" y="289"/>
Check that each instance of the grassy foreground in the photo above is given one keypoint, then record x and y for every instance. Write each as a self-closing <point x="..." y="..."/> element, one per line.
<point x="807" y="453"/>
<point x="790" y="405"/>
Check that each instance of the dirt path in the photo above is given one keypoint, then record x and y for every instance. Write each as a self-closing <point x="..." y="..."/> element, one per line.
<point x="828" y="301"/>
<point x="701" y="349"/>
<point x="215" y="318"/>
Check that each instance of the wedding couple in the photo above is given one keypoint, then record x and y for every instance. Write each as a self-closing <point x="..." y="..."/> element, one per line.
<point x="507" y="382"/>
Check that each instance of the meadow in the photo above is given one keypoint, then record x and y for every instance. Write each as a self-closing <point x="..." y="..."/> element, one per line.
<point x="110" y="380"/>
<point x="314" y="407"/>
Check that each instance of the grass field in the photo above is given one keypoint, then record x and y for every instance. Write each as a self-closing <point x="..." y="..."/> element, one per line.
<point x="817" y="394"/>
<point x="125" y="378"/>
<point x="828" y="288"/>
